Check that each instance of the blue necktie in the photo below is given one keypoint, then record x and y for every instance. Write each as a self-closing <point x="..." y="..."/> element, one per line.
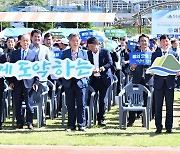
<point x="23" y="55"/>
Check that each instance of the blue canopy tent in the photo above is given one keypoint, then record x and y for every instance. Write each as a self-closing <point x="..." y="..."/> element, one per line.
<point x="14" y="32"/>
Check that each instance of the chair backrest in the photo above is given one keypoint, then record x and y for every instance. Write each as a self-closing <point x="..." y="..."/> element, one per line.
<point x="134" y="94"/>
<point x="89" y="93"/>
<point x="122" y="79"/>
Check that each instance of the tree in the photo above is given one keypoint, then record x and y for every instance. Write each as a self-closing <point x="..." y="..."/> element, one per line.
<point x="74" y="24"/>
<point x="43" y="26"/>
<point x="31" y="2"/>
<point x="6" y="25"/>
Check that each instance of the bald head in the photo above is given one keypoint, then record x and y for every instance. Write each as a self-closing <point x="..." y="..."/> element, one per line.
<point x="25" y="41"/>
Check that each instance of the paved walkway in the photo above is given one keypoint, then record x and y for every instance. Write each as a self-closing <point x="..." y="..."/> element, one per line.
<point x="85" y="150"/>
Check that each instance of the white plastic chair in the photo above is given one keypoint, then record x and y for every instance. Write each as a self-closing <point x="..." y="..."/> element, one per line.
<point x="131" y="99"/>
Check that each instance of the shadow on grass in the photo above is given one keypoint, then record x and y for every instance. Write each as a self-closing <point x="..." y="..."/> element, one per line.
<point x="151" y="134"/>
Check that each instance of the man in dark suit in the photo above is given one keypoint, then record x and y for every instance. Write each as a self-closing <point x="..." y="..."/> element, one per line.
<point x="163" y="88"/>
<point x="75" y="88"/>
<point x="138" y="74"/>
<point x="102" y="75"/>
<point x="23" y="89"/>
<point x="2" y="60"/>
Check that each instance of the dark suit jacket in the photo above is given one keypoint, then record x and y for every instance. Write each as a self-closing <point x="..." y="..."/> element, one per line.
<point x="159" y="80"/>
<point x="105" y="60"/>
<point x="2" y="61"/>
<point x="31" y="56"/>
<point x="80" y="82"/>
<point x="139" y="75"/>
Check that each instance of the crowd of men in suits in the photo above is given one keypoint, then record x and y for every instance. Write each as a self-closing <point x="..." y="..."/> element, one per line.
<point x="106" y="63"/>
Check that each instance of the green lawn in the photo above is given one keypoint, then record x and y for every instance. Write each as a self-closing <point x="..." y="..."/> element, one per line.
<point x="111" y="135"/>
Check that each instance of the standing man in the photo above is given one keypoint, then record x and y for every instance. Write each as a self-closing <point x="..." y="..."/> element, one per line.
<point x="2" y="60"/>
<point x="75" y="88"/>
<point x="10" y="47"/>
<point x="163" y="88"/>
<point x="48" y="41"/>
<point x="23" y="89"/>
<point x="138" y="74"/>
<point x="42" y="51"/>
<point x="102" y="75"/>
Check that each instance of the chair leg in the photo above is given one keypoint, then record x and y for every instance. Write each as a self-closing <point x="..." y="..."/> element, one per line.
<point x="88" y="116"/>
<point x="120" y="118"/>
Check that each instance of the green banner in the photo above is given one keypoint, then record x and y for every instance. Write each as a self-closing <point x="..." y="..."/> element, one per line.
<point x="114" y="32"/>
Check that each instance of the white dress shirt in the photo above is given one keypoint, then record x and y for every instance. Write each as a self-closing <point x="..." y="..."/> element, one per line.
<point x="43" y="52"/>
<point x="96" y="62"/>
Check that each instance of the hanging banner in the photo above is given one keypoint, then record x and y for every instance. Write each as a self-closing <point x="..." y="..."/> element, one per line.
<point x="67" y="69"/>
<point x="166" y="22"/>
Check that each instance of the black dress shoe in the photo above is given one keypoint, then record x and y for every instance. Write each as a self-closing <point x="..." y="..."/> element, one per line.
<point x="81" y="129"/>
<point x="19" y="126"/>
<point x="129" y="124"/>
<point x="70" y="128"/>
<point x="101" y="123"/>
<point x="169" y="131"/>
<point x="158" y="131"/>
<point x="30" y="126"/>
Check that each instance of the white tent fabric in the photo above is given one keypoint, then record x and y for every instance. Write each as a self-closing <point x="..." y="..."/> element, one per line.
<point x="56" y="17"/>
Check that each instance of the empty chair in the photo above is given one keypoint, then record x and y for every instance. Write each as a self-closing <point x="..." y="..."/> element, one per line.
<point x="131" y="99"/>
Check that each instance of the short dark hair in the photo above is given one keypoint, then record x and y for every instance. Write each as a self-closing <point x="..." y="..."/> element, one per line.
<point x="48" y="35"/>
<point x="19" y="37"/>
<point x="92" y="40"/>
<point x="73" y="35"/>
<point x="143" y="35"/>
<point x="10" y="38"/>
<point x="165" y="36"/>
<point x="36" y="31"/>
<point x="174" y="41"/>
<point x="114" y="38"/>
<point x="122" y="39"/>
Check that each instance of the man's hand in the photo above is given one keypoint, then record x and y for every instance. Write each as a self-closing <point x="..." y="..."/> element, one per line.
<point x="101" y="69"/>
<point x="96" y="70"/>
<point x="178" y="73"/>
<point x="11" y="86"/>
<point x="35" y="87"/>
<point x="133" y="67"/>
<point x="152" y="74"/>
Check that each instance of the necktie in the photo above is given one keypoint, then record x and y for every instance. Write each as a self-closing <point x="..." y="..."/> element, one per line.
<point x="23" y="55"/>
<point x="164" y="52"/>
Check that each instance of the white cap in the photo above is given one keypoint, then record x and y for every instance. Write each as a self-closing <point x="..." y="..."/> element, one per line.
<point x="65" y="41"/>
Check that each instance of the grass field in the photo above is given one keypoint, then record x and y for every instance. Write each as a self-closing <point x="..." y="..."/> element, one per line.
<point x="111" y="135"/>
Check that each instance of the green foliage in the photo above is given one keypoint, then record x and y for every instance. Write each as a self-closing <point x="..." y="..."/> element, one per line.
<point x="31" y="2"/>
<point x="75" y="24"/>
<point x="6" y="25"/>
<point x="43" y="26"/>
